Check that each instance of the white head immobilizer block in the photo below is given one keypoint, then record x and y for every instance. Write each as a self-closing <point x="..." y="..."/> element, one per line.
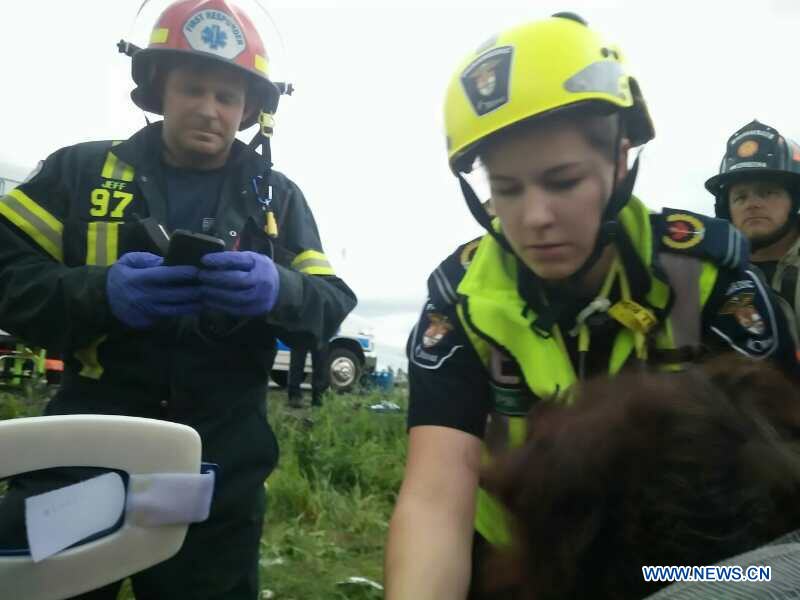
<point x="149" y="451"/>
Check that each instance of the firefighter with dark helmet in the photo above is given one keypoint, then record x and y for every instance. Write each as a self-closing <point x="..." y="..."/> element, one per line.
<point x="190" y="339"/>
<point x="574" y="278"/>
<point x="758" y="190"/>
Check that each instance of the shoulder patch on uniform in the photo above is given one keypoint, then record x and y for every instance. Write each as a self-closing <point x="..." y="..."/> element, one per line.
<point x="701" y="236"/>
<point x="433" y="339"/>
<point x="740" y="305"/>
<point x="443" y="281"/>
<point x="746" y="318"/>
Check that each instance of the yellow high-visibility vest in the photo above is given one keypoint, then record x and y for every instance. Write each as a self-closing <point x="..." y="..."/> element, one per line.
<point x="493" y="315"/>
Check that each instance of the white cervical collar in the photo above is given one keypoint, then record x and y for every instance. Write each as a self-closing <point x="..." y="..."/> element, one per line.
<point x="165" y="492"/>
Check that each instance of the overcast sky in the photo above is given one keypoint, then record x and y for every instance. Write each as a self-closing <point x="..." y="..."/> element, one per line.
<point x="363" y="136"/>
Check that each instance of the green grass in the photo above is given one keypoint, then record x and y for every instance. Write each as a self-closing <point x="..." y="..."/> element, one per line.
<point x="330" y="498"/>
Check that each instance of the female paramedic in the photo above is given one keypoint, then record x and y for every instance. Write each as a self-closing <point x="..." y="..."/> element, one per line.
<point x="573" y="278"/>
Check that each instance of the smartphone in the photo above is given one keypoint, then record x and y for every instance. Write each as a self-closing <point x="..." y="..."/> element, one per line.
<point x="187" y="248"/>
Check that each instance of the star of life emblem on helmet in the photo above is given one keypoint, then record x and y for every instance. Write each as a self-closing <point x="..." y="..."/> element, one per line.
<point x="215" y="32"/>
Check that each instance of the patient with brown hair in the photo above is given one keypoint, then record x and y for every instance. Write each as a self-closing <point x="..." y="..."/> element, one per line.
<point x="690" y="468"/>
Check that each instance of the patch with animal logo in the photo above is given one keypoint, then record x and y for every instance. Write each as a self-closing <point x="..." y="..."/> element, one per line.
<point x="741" y="307"/>
<point x="486" y="80"/>
<point x="438" y="328"/>
<point x="747" y="319"/>
<point x="435" y="338"/>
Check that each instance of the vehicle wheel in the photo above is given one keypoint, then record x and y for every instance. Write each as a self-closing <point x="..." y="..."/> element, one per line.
<point x="281" y="378"/>
<point x="344" y="369"/>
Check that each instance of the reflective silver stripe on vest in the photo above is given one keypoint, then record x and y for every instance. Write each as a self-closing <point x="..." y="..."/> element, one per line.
<point x="683" y="273"/>
<point x="102" y="243"/>
<point x="114" y="168"/>
<point x="28" y="216"/>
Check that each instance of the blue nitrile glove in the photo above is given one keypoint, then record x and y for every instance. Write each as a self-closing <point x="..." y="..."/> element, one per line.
<point x="140" y="291"/>
<point x="242" y="284"/>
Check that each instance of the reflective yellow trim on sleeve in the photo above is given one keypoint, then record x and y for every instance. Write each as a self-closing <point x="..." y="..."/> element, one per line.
<point x="109" y="166"/>
<point x="112" y="243"/>
<point x="160" y="35"/>
<point x="36" y="222"/>
<point x="92" y="369"/>
<point x="102" y="243"/>
<point x="317" y="270"/>
<point x="312" y="270"/>
<point x="312" y="262"/>
<point x="114" y="168"/>
<point x="307" y="254"/>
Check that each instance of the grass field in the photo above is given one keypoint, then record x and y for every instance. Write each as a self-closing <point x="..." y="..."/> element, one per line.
<point x="330" y="498"/>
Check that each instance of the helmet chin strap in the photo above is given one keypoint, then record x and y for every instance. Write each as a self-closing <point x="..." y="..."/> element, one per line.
<point x="479" y="212"/>
<point x="608" y="232"/>
<point x="530" y="285"/>
<point x="609" y="225"/>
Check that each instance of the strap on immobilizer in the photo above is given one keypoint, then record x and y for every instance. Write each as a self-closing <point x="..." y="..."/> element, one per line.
<point x="148" y="519"/>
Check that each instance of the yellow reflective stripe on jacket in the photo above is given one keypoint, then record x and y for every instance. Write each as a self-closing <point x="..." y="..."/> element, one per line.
<point x="312" y="262"/>
<point x="36" y="222"/>
<point x="102" y="243"/>
<point x="92" y="368"/>
<point x="114" y="168"/>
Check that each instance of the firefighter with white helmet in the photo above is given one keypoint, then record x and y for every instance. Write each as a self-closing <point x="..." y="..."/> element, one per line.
<point x="191" y="340"/>
<point x="574" y="278"/>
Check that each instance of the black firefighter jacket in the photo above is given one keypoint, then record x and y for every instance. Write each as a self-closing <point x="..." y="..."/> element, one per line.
<point x="90" y="203"/>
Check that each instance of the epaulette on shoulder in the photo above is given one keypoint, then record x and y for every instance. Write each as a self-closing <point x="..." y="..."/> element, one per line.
<point x="701" y="236"/>
<point x="443" y="281"/>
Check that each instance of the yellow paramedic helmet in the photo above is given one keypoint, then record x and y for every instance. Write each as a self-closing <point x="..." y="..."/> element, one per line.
<point x="533" y="70"/>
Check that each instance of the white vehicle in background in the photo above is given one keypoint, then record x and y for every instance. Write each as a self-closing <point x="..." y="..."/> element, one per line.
<point x="351" y="354"/>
